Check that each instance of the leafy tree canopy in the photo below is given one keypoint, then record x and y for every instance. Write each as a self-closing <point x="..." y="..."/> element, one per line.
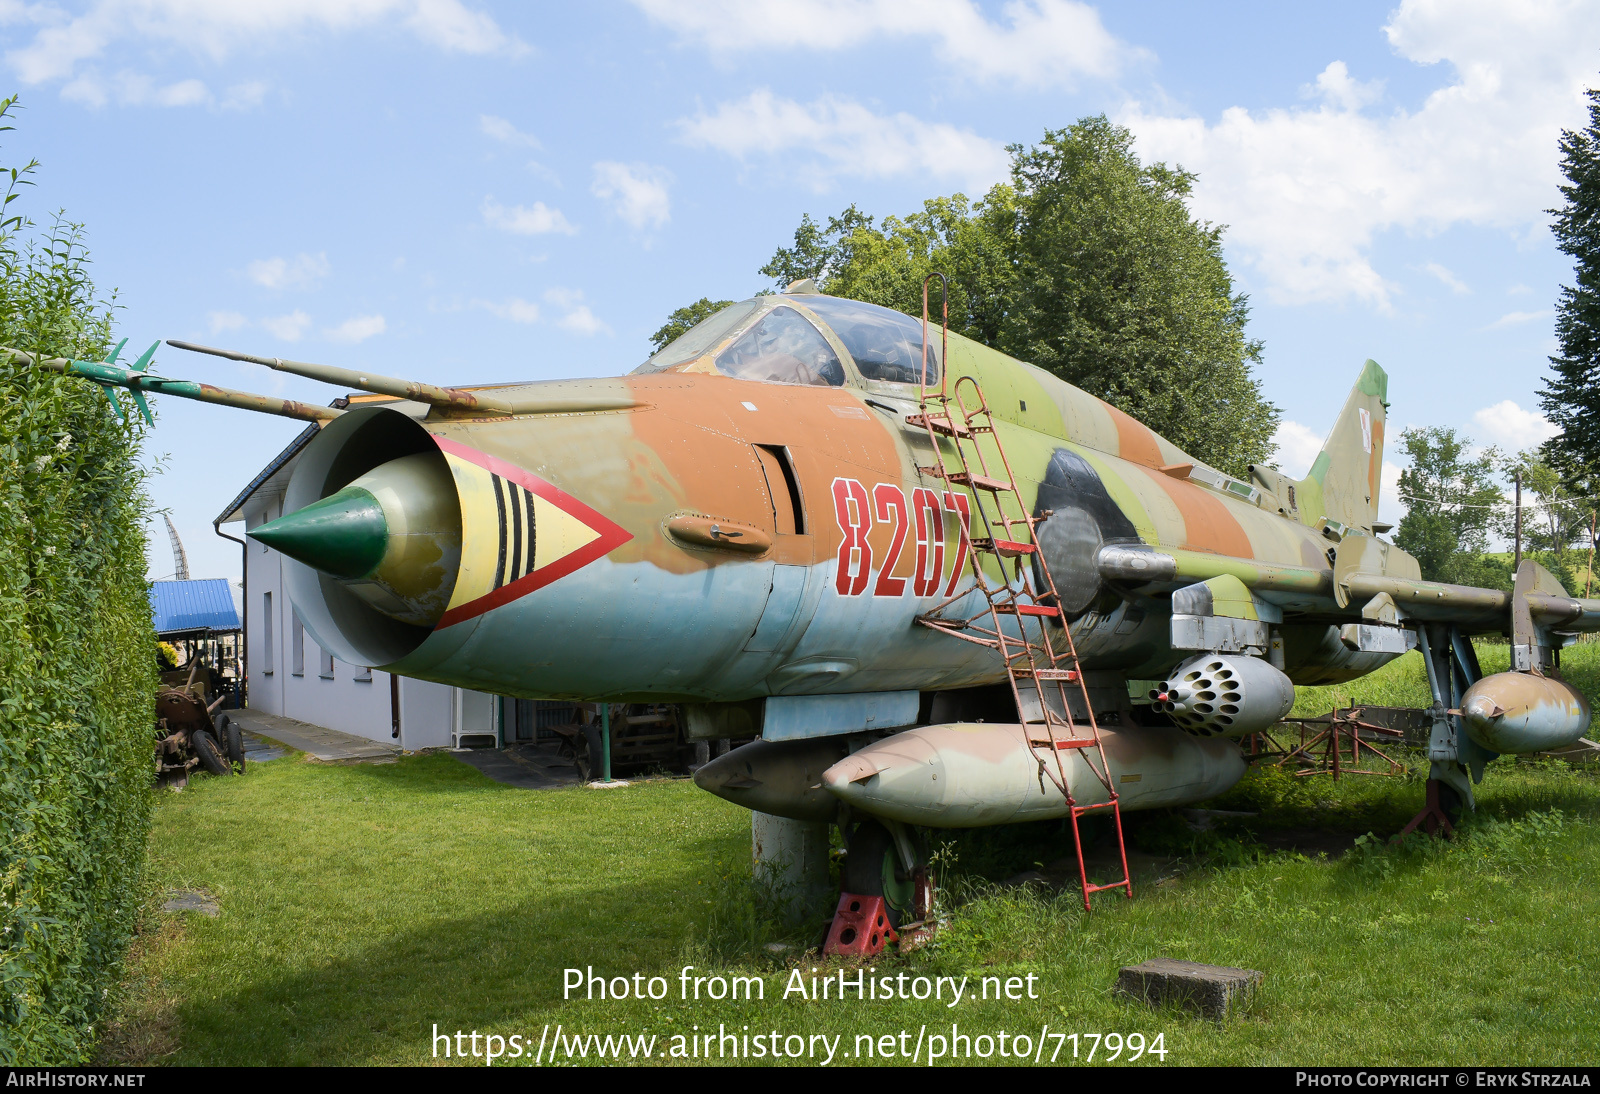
<point x="1088" y="264"/>
<point x="1553" y="521"/>
<point x="684" y="318"/>
<point x="1453" y="501"/>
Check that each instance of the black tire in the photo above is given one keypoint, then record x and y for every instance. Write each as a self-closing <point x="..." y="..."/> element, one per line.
<point x="872" y="855"/>
<point x="232" y="740"/>
<point x="211" y="757"/>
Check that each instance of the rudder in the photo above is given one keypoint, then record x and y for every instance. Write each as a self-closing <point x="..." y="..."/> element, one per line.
<point x="1344" y="480"/>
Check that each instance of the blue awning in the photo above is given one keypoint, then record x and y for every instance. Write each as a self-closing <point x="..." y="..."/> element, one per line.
<point x="181" y="606"/>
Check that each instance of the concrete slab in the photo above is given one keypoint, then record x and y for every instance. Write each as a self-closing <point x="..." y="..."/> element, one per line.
<point x="525" y="766"/>
<point x="259" y="750"/>
<point x="191" y="900"/>
<point x="328" y="745"/>
<point x="1213" y="990"/>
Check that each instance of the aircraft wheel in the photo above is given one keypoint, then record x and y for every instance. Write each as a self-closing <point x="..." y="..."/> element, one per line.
<point x="210" y="753"/>
<point x="873" y="868"/>
<point x="232" y="740"/>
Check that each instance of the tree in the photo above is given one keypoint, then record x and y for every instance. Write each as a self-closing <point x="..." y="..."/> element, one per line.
<point x="1122" y="293"/>
<point x="1571" y="398"/>
<point x="1088" y="264"/>
<point x="1552" y="519"/>
<point x="1452" y="502"/>
<point x="684" y="318"/>
<point x="972" y="244"/>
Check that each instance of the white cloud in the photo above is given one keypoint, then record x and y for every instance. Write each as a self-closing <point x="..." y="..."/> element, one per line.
<point x="225" y="321"/>
<point x="536" y="168"/>
<point x="357" y="328"/>
<point x="135" y="89"/>
<point x="526" y="221"/>
<point x="1390" y="506"/>
<point x="1339" y="89"/>
<point x="844" y="138"/>
<point x="504" y="132"/>
<point x="1508" y="424"/>
<point x="515" y="309"/>
<point x="578" y="318"/>
<point x="288" y="327"/>
<point x="1451" y="281"/>
<point x="1038" y="43"/>
<point x="454" y="27"/>
<point x="1296" y="447"/>
<point x="183" y="93"/>
<point x="1517" y="318"/>
<point x="244" y="96"/>
<point x="62" y="43"/>
<point x="300" y="272"/>
<point x="1304" y="191"/>
<point x="637" y="192"/>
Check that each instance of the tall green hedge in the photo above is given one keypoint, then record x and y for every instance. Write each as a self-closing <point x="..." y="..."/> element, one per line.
<point x="77" y="665"/>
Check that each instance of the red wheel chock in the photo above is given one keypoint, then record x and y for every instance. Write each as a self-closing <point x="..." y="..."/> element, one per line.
<point x="860" y="927"/>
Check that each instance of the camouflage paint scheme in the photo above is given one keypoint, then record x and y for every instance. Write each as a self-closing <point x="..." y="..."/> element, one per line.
<point x="684" y="535"/>
<point x="629" y="597"/>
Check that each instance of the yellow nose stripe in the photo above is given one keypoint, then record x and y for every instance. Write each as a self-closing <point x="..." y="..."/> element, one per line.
<point x="519" y="532"/>
<point x="560" y="533"/>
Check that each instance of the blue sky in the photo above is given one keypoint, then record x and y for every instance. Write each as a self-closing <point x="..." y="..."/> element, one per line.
<point x="460" y="191"/>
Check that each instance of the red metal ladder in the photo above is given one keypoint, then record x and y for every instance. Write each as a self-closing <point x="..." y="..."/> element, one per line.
<point x="955" y="419"/>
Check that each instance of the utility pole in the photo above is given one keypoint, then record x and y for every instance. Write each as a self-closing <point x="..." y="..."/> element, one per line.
<point x="1517" y="564"/>
<point x="1588" y="570"/>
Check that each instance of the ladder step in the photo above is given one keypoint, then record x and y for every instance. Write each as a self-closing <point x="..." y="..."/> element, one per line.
<point x="1069" y="675"/>
<point x="1124" y="884"/>
<point x="941" y="424"/>
<point x="1003" y="547"/>
<point x="1064" y="743"/>
<point x="979" y="482"/>
<point x="1028" y="609"/>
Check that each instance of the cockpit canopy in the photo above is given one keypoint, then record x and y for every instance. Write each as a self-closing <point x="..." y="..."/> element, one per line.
<point x="797" y="338"/>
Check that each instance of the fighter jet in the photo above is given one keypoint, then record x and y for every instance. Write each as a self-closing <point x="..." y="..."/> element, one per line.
<point x="921" y="573"/>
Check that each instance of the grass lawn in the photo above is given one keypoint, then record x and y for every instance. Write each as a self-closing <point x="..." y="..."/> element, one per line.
<point x="362" y="905"/>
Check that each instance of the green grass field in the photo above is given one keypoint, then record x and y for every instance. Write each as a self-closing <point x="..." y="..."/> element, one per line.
<point x="362" y="905"/>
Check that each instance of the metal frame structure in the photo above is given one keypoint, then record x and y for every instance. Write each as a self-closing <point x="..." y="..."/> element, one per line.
<point x="1336" y="733"/>
<point x="960" y="415"/>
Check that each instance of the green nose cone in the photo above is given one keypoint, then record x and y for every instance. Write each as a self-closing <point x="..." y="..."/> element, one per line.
<point x="345" y="535"/>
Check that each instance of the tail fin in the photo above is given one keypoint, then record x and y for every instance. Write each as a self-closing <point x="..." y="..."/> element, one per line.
<point x="1348" y="471"/>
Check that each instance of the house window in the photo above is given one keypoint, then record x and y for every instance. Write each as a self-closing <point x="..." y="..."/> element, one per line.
<point x="363" y="674"/>
<point x="297" y="646"/>
<point x="327" y="664"/>
<point x="266" y="626"/>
